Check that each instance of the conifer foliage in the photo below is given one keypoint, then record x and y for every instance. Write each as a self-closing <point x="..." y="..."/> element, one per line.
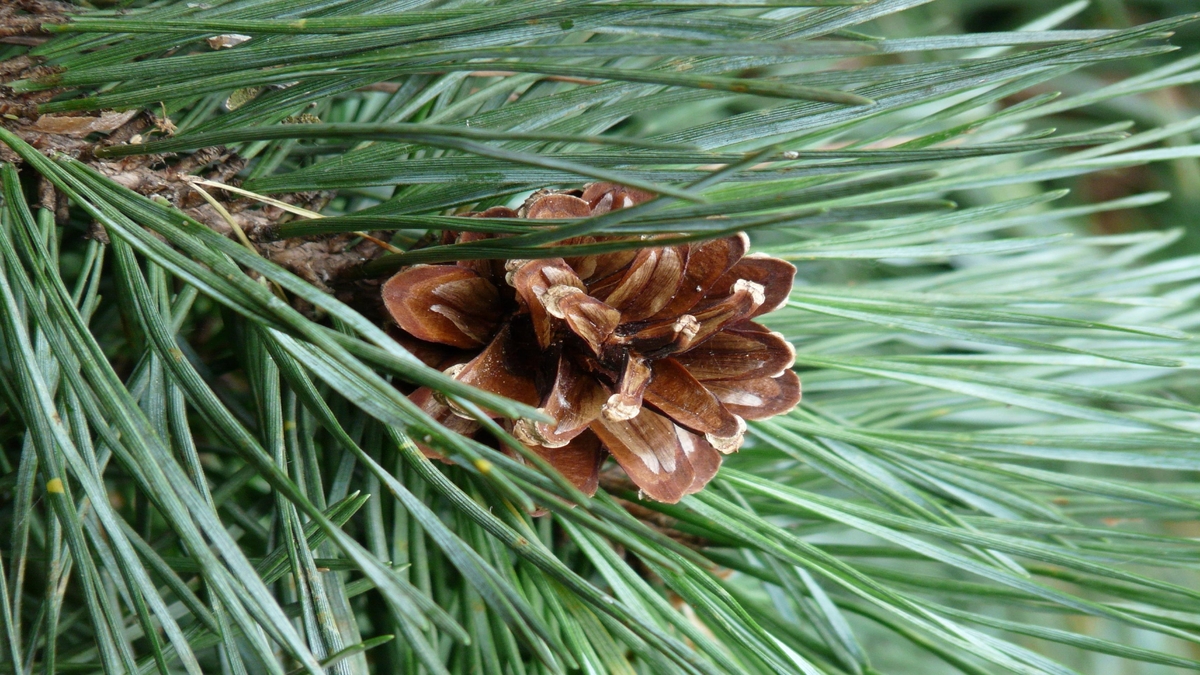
<point x="409" y="336"/>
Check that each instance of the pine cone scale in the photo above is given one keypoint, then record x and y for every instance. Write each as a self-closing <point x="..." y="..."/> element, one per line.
<point x="504" y="366"/>
<point x="591" y="320"/>
<point x="758" y="398"/>
<point x="651" y="282"/>
<point x="626" y="401"/>
<point x="664" y="337"/>
<point x="445" y="304"/>
<point x="773" y="275"/>
<point x="707" y="262"/>
<point x="531" y="281"/>
<point x="575" y="401"/>
<point x="738" y="306"/>
<point x="606" y="266"/>
<point x="673" y="391"/>
<point x="578" y="461"/>
<point x="557" y="206"/>
<point x="740" y="352"/>
<point x="666" y="461"/>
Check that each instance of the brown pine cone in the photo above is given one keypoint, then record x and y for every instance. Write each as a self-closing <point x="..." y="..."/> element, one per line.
<point x="650" y="355"/>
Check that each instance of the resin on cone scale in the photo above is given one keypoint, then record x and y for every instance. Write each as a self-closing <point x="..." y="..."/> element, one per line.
<point x="649" y="355"/>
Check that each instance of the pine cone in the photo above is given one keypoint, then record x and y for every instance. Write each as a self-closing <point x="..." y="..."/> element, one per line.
<point x="650" y="355"/>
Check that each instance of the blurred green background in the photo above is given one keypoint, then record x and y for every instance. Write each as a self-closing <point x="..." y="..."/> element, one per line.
<point x="1180" y="177"/>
